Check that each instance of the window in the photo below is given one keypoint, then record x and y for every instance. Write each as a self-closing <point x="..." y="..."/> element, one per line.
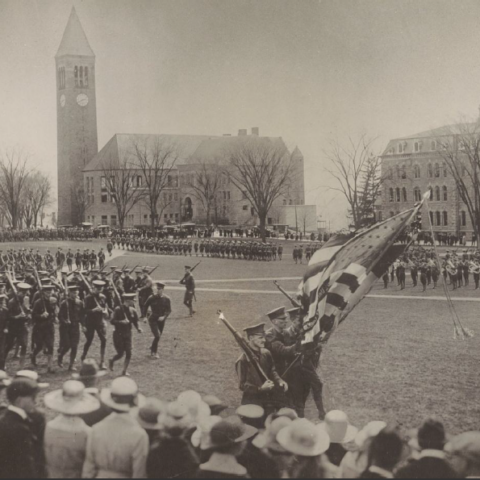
<point x="431" y="193"/>
<point x="284" y="201"/>
<point x="430" y="171"/>
<point x="269" y="220"/>
<point x="439" y="220"/>
<point x="61" y="78"/>
<point x="171" y="216"/>
<point x="397" y="196"/>
<point x="437" y="194"/>
<point x="85" y="76"/>
<point x="290" y="202"/>
<point x="104" y="220"/>
<point x="80" y="77"/>
<point x="165" y="198"/>
<point x="75" y="74"/>
<point x="445" y="218"/>
<point x="445" y="193"/>
<point x="245" y="207"/>
<point x="404" y="194"/>
<point x="104" y="197"/>
<point x="416" y="171"/>
<point x="444" y="167"/>
<point x="181" y="180"/>
<point x="417" y="195"/>
<point x="463" y="218"/>
<point x="401" y="147"/>
<point x="175" y="196"/>
<point x="437" y="170"/>
<point x="139" y="181"/>
<point x="404" y="172"/>
<point x="391" y="194"/>
<point x="252" y="211"/>
<point x="165" y="216"/>
<point x="103" y="183"/>
<point x="433" y="145"/>
<point x="170" y="197"/>
<point x="176" y="217"/>
<point x="228" y="195"/>
<point x="145" y="217"/>
<point x="431" y="217"/>
<point x="113" y="220"/>
<point x="398" y="172"/>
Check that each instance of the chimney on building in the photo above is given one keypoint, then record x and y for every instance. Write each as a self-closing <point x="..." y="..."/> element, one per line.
<point x="242" y="132"/>
<point x="255" y="131"/>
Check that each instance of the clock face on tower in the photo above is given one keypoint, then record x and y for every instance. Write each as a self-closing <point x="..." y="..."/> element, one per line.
<point x="82" y="100"/>
<point x="62" y="100"/>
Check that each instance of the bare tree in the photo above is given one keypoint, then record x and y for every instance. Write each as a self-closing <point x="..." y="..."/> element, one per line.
<point x="36" y="196"/>
<point x="121" y="182"/>
<point x="263" y="170"/>
<point x="460" y="150"/>
<point x="14" y="173"/>
<point x="356" y="170"/>
<point x="205" y="185"/>
<point x="155" y="158"/>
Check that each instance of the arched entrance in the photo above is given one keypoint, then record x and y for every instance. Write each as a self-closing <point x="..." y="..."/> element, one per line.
<point x="187" y="209"/>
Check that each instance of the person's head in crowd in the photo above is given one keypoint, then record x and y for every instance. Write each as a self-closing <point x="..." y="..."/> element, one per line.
<point x="22" y="393"/>
<point x="279" y="318"/>
<point x="229" y="435"/>
<point x="215" y="404"/>
<point x="151" y="416"/>
<point x="197" y="408"/>
<point x="385" y="450"/>
<point x="464" y="454"/>
<point x="201" y="436"/>
<point x="71" y="400"/>
<point x="252" y="415"/>
<point x="431" y="435"/>
<point x="122" y="395"/>
<point x="89" y="373"/>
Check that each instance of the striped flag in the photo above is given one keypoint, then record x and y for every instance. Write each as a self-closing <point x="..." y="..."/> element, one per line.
<point x="340" y="275"/>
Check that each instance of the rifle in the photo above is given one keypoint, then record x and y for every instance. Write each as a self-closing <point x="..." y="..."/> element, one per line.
<point x="89" y="288"/>
<point x="40" y="286"/>
<point x="65" y="290"/>
<point x="191" y="270"/>
<point x="152" y="270"/>
<point x="15" y="292"/>
<point x="242" y="343"/>
<point x="292" y="300"/>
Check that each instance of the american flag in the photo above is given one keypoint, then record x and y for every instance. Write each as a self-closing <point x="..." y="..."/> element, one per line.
<point x="339" y="275"/>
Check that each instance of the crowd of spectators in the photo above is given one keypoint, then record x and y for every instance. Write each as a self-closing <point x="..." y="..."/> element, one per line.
<point x="116" y="432"/>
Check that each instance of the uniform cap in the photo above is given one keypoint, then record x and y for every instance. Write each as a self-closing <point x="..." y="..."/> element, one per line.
<point x="31" y="375"/>
<point x="188" y="266"/>
<point x="113" y="267"/>
<point x="47" y="286"/>
<point x="251" y="412"/>
<point x="145" y="269"/>
<point x="277" y="313"/>
<point x="23" y="286"/>
<point x="138" y="270"/>
<point x="258" y="329"/>
<point x="73" y="288"/>
<point x="129" y="296"/>
<point x="99" y="283"/>
<point x="89" y="369"/>
<point x="160" y="284"/>
<point x="294" y="311"/>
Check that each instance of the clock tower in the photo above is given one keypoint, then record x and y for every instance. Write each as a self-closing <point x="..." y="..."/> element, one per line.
<point x="76" y="119"/>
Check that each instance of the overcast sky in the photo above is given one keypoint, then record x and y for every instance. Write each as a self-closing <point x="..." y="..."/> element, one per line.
<point x="307" y="71"/>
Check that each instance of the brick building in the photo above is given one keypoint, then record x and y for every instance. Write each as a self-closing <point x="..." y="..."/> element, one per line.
<point x="413" y="165"/>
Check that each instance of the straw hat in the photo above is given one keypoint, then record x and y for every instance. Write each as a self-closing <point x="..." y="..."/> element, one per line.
<point x="371" y="429"/>
<point x="337" y="427"/>
<point x="71" y="399"/>
<point x="228" y="432"/>
<point x="200" y="437"/>
<point x="5" y="380"/>
<point x="303" y="438"/>
<point x="268" y="438"/>
<point x="122" y="394"/>
<point x="31" y="375"/>
<point x="149" y="416"/>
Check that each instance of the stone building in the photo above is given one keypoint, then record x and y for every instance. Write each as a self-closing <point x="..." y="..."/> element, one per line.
<point x="413" y="165"/>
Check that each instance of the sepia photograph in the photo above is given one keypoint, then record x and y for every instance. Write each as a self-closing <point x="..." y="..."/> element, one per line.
<point x="239" y="239"/>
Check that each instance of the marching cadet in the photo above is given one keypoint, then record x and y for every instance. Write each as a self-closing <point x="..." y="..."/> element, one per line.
<point x="95" y="310"/>
<point x="71" y="317"/>
<point x="385" y="279"/>
<point x="60" y="258"/>
<point x="256" y="390"/>
<point x="145" y="290"/>
<point x="3" y="328"/>
<point x="43" y="332"/>
<point x="161" y="308"/>
<point x="69" y="260"/>
<point x="189" y="283"/>
<point x="109" y="247"/>
<point x="85" y="259"/>
<point x="48" y="260"/>
<point x="124" y="316"/>
<point x="93" y="259"/>
<point x="476" y="272"/>
<point x="78" y="259"/>
<point x="18" y="315"/>
<point x="414" y="273"/>
<point x="128" y="282"/>
<point x="401" y="274"/>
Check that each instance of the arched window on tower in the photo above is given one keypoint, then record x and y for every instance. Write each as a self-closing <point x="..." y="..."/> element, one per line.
<point x="391" y="194"/>
<point x="444" y="167"/>
<point x="404" y="172"/>
<point x="437" y="170"/>
<point x="75" y="74"/>
<point x="404" y="194"/>
<point x="397" y="191"/>
<point x="81" y="77"/>
<point x="445" y="218"/>
<point x="431" y="193"/>
<point x="416" y="171"/>
<point x="417" y="195"/>
<point x="85" y="76"/>
<point x="430" y="171"/>
<point x="438" y="219"/>
<point x="437" y="194"/>
<point x="445" y="193"/>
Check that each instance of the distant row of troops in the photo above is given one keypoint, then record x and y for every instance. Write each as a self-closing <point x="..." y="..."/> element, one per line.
<point x="82" y="302"/>
<point x="291" y="370"/>
<point x="219" y="248"/>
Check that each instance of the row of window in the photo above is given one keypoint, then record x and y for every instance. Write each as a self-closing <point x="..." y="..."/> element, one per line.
<point x="417" y="146"/>
<point x="130" y="219"/>
<point x="80" y="74"/>
<point x="436" y="171"/>
<point x="61" y="78"/>
<point x="400" y="195"/>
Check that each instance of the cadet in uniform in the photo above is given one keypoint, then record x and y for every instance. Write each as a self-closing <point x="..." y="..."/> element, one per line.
<point x="78" y="259"/>
<point x="144" y="290"/>
<point x="161" y="308"/>
<point x="189" y="283"/>
<point x="95" y="309"/>
<point x="69" y="259"/>
<point x="124" y="316"/>
<point x="256" y="390"/>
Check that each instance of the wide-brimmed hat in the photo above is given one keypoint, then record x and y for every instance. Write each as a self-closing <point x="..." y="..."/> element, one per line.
<point x="122" y="395"/>
<point x="337" y="427"/>
<point x="268" y="438"/>
<point x="31" y="375"/>
<point x="371" y="429"/>
<point x="89" y="370"/>
<point x="228" y="432"/>
<point x="215" y="404"/>
<point x="201" y="436"/>
<point x="303" y="438"/>
<point x="282" y="412"/>
<point x="150" y="414"/>
<point x="71" y="399"/>
<point x="5" y="380"/>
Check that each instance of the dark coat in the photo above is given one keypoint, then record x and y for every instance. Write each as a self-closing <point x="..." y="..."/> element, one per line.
<point x="17" y="451"/>
<point x="427" y="467"/>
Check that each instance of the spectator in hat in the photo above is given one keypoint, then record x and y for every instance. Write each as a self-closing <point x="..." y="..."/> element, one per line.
<point x="66" y="435"/>
<point x="3" y="328"/>
<point x="4" y="383"/>
<point x="215" y="404"/>
<point x="150" y="417"/>
<point x="464" y="454"/>
<point x="226" y="441"/>
<point x="431" y="462"/>
<point x="89" y="375"/>
<point x="172" y="455"/>
<point x="118" y="445"/>
<point x="307" y="443"/>
<point x="17" y="450"/>
<point x="384" y="453"/>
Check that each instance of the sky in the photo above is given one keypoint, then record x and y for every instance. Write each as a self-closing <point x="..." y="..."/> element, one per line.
<point x="309" y="71"/>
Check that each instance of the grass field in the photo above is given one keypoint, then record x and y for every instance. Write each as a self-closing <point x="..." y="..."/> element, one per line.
<point x="393" y="358"/>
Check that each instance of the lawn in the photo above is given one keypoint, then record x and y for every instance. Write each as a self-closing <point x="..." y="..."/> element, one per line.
<point x="393" y="359"/>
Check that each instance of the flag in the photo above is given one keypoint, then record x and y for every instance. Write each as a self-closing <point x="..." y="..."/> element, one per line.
<point x="333" y="288"/>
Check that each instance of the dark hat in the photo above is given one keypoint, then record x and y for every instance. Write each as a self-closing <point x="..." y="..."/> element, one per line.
<point x="47" y="286"/>
<point x="160" y="284"/>
<point x="129" y="296"/>
<point x="230" y="431"/>
<point x="277" y="313"/>
<point x="258" y="329"/>
<point x="138" y="270"/>
<point x="188" y="266"/>
<point x="113" y="267"/>
<point x="294" y="311"/>
<point x="145" y="269"/>
<point x="89" y="369"/>
<point x="73" y="288"/>
<point x="99" y="283"/>
<point x="21" y="387"/>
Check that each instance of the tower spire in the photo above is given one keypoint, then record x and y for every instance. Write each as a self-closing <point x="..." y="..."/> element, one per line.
<point x="74" y="40"/>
